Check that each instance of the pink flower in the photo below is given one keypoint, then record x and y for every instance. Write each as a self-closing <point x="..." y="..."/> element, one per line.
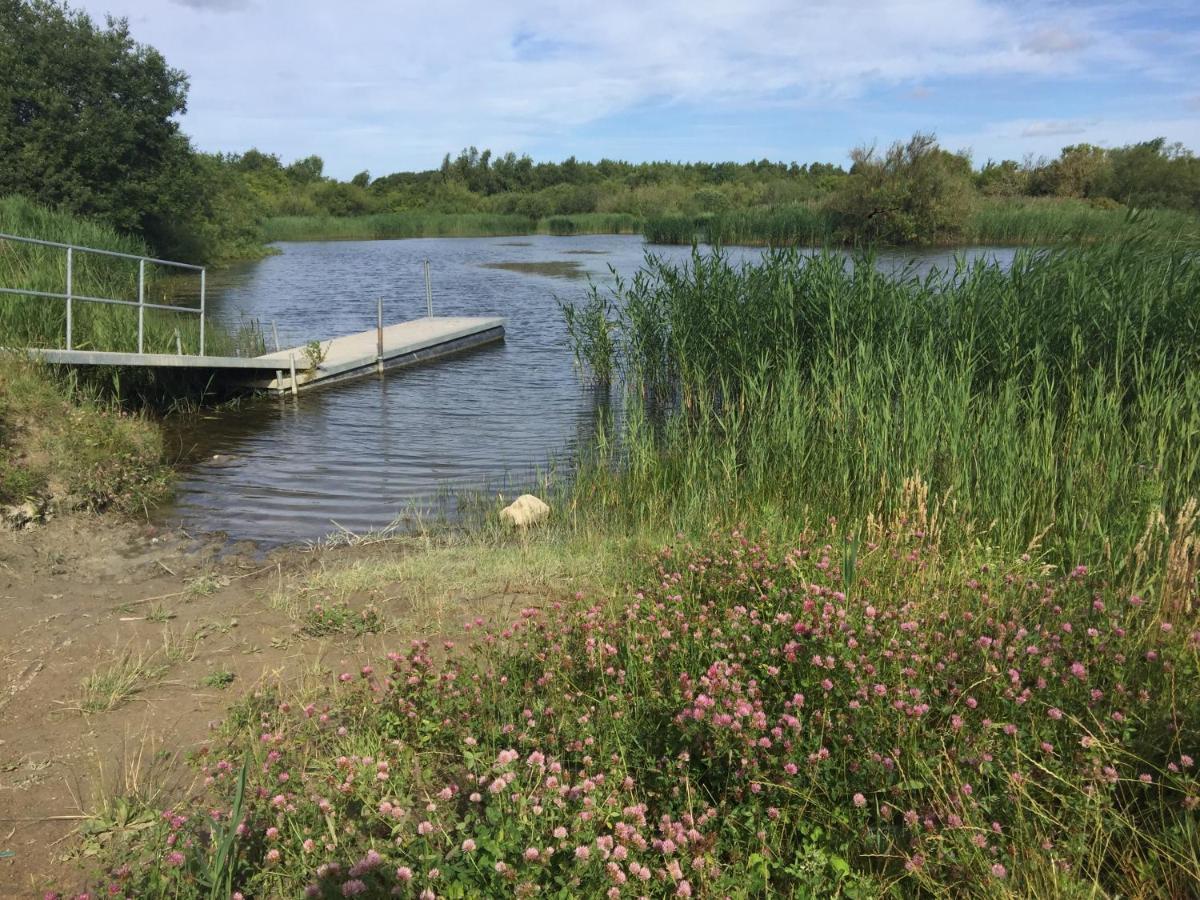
<point x="468" y="846"/>
<point x="175" y="858"/>
<point x="353" y="888"/>
<point x="999" y="871"/>
<point x="404" y="873"/>
<point x="582" y="853"/>
<point x="860" y="801"/>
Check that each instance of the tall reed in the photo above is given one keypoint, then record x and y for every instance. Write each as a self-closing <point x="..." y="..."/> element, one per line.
<point x="1053" y="404"/>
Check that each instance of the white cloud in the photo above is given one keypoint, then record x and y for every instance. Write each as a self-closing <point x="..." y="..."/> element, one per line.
<point x="389" y="85"/>
<point x="1018" y="138"/>
<point x="1057" y="127"/>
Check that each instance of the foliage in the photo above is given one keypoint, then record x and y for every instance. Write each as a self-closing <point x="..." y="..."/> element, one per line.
<point x="809" y="719"/>
<point x="87" y="115"/>
<point x="914" y="193"/>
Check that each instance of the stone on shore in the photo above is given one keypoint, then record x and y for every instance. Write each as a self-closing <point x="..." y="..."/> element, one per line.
<point x="526" y="510"/>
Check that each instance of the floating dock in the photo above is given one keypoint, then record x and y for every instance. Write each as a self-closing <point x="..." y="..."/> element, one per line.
<point x="350" y="356"/>
<point x="396" y="346"/>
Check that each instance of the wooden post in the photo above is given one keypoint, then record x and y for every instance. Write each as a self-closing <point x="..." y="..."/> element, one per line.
<point x="295" y="390"/>
<point x="379" y="334"/>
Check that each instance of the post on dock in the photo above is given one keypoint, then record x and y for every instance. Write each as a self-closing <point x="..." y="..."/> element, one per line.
<point x="203" y="278"/>
<point x="379" y="334"/>
<point x="141" y="304"/>
<point x="275" y="332"/>
<point x="70" y="283"/>
<point x="428" y="292"/>
<point x="178" y="343"/>
<point x="294" y="389"/>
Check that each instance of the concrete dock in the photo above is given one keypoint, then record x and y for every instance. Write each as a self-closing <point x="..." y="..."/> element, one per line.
<point x="350" y="356"/>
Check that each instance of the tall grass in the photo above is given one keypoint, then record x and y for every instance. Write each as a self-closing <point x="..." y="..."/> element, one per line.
<point x="40" y="322"/>
<point x="388" y="226"/>
<point x="1052" y="220"/>
<point x="417" y="224"/>
<point x="1055" y="405"/>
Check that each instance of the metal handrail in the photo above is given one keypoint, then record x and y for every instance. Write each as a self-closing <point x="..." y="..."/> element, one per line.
<point x="70" y="296"/>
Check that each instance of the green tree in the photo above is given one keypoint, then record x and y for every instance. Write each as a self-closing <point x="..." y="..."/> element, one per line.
<point x="87" y="116"/>
<point x="916" y="192"/>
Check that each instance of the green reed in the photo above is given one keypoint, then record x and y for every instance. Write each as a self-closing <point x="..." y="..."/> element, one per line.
<point x="1057" y="402"/>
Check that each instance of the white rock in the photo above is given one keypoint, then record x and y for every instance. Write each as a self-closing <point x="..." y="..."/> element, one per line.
<point x="526" y="510"/>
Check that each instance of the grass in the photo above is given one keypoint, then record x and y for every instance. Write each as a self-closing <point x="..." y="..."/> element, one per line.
<point x="416" y="224"/>
<point x="220" y="679"/>
<point x="73" y="445"/>
<point x="113" y="685"/>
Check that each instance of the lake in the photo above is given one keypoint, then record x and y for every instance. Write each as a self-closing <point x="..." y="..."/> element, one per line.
<point x="359" y="454"/>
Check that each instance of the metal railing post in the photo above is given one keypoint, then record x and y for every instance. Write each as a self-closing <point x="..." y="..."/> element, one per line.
<point x="203" y="274"/>
<point x="70" y="291"/>
<point x="428" y="292"/>
<point x="141" y="304"/>
<point x="379" y="333"/>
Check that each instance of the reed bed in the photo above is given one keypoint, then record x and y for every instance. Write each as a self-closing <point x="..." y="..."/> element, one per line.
<point x="1053" y="406"/>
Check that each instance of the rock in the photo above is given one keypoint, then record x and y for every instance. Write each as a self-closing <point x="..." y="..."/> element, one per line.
<point x="526" y="510"/>
<point x="25" y="515"/>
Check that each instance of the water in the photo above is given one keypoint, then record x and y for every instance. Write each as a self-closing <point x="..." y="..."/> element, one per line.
<point x="357" y="455"/>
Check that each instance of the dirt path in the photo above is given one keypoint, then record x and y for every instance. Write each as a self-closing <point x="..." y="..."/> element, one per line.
<point x="170" y="635"/>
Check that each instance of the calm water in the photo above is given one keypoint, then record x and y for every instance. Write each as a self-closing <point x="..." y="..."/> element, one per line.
<point x="360" y="454"/>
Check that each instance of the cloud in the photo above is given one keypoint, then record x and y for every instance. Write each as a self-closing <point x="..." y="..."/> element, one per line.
<point x="423" y="78"/>
<point x="214" y="5"/>
<point x="1055" y="41"/>
<point x="1057" y="127"/>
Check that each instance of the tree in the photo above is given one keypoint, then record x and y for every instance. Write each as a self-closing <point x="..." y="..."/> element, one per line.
<point x="87" y="115"/>
<point x="914" y="193"/>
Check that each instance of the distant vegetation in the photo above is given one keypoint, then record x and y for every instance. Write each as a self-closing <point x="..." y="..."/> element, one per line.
<point x="88" y="124"/>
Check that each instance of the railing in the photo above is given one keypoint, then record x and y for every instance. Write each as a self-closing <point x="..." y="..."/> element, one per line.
<point x="70" y="296"/>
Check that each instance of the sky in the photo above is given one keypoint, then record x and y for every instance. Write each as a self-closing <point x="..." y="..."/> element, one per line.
<point x="390" y="86"/>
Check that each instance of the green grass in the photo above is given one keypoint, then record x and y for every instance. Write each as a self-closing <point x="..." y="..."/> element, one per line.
<point x="416" y="224"/>
<point x="1046" y="221"/>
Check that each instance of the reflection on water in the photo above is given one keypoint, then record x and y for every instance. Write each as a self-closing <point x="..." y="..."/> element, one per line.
<point x="358" y="454"/>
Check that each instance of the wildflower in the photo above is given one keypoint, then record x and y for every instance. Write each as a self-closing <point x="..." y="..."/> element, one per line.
<point x="582" y="853"/>
<point x="999" y="871"/>
<point x="175" y="858"/>
<point x="860" y="801"/>
<point x="531" y="854"/>
<point x="468" y="846"/>
<point x="404" y="873"/>
<point x="353" y="888"/>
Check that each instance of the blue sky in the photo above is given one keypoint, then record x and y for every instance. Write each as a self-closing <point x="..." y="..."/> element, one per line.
<point x="386" y="86"/>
